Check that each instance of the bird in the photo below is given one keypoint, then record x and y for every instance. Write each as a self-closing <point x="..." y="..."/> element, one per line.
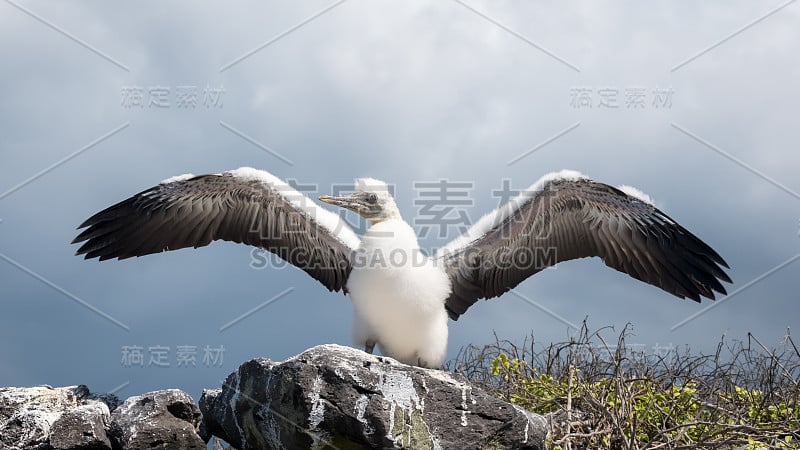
<point x="402" y="297"/>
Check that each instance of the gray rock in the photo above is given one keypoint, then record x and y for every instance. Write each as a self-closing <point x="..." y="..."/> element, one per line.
<point x="165" y="419"/>
<point x="28" y="414"/>
<point x="82" y="428"/>
<point x="344" y="398"/>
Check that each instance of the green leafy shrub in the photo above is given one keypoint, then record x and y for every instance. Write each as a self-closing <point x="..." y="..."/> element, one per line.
<point x="599" y="396"/>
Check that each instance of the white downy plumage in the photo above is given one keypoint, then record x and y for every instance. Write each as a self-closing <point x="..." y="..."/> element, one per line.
<point x="397" y="292"/>
<point x="398" y="296"/>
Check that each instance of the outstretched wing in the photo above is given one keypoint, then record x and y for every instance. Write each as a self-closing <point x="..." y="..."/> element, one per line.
<point x="567" y="216"/>
<point x="245" y="205"/>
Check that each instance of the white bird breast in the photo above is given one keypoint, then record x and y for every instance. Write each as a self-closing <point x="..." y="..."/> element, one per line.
<point x="398" y="296"/>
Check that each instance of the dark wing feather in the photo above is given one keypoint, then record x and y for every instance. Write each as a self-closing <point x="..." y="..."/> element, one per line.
<point x="196" y="211"/>
<point x="577" y="218"/>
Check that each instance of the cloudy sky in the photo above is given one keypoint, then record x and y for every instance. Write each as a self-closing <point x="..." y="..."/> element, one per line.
<point x="696" y="106"/>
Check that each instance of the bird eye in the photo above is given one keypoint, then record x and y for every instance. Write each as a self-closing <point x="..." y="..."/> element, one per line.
<point x="372" y="199"/>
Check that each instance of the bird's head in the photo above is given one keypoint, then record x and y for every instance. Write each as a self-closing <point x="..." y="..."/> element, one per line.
<point x="371" y="200"/>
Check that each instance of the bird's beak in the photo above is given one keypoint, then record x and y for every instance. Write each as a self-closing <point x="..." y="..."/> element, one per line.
<point x="350" y="202"/>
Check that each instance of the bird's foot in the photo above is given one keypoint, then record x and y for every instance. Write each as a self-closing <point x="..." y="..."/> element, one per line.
<point x="369" y="346"/>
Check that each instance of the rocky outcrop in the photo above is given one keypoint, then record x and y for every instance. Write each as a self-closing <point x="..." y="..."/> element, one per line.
<point x="71" y="418"/>
<point x="327" y="397"/>
<point x="343" y="398"/>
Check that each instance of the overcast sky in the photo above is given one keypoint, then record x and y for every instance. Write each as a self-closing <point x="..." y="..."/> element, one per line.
<point x="696" y="107"/>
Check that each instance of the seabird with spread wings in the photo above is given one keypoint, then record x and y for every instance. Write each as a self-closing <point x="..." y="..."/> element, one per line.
<point x="402" y="298"/>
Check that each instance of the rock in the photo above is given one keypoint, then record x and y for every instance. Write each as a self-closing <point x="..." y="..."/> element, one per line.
<point x="165" y="419"/>
<point x="83" y="427"/>
<point x="28" y="414"/>
<point x="328" y="396"/>
<point x="345" y="398"/>
<point x="72" y="418"/>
